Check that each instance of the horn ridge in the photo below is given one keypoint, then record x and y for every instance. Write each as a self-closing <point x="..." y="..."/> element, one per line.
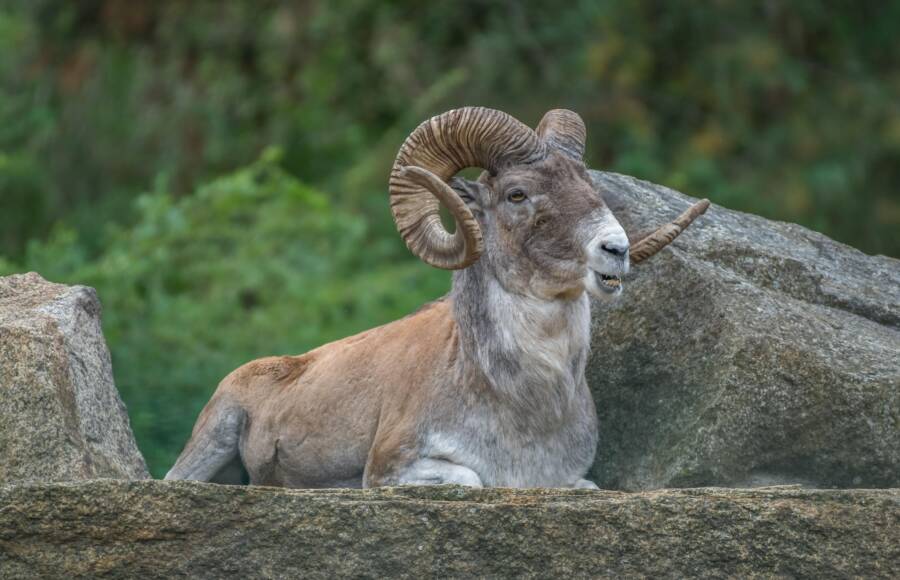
<point x="433" y="153"/>
<point x="649" y="245"/>
<point x="564" y="130"/>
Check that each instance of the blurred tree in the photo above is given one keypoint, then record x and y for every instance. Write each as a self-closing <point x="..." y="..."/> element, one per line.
<point x="788" y="109"/>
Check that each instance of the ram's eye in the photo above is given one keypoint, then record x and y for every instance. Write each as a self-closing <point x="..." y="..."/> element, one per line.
<point x="516" y="196"/>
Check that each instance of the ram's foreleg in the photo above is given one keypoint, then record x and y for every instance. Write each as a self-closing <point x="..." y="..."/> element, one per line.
<point x="427" y="471"/>
<point x="585" y="484"/>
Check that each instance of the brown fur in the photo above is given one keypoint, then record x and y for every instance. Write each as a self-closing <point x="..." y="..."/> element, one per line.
<point x="537" y="247"/>
<point x="350" y="404"/>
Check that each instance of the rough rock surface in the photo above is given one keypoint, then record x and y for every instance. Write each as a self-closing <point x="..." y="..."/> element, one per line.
<point x="61" y="417"/>
<point x="749" y="352"/>
<point x="152" y="529"/>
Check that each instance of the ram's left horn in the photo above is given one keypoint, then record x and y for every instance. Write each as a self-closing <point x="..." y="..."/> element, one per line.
<point x="650" y="245"/>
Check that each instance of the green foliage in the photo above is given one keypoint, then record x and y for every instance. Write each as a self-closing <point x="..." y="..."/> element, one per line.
<point x="252" y="264"/>
<point x="786" y="109"/>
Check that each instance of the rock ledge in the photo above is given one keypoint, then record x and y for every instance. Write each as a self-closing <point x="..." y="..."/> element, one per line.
<point x="154" y="529"/>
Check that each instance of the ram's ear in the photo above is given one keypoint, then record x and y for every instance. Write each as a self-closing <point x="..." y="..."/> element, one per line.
<point x="473" y="193"/>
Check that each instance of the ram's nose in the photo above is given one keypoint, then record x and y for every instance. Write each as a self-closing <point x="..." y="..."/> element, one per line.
<point x="608" y="247"/>
<point x="617" y="248"/>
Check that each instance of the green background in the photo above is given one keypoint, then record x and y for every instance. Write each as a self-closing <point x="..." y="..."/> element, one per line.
<point x="218" y="170"/>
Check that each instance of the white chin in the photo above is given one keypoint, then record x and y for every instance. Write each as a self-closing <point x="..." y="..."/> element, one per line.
<point x="601" y="291"/>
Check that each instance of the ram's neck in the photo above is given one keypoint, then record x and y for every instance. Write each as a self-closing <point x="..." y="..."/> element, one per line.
<point x="528" y="349"/>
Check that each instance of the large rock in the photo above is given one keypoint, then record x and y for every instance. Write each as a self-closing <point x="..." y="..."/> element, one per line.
<point x="748" y="352"/>
<point x="61" y="417"/>
<point x="153" y="529"/>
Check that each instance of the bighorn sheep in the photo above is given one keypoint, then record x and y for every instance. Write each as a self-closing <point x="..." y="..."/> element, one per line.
<point x="484" y="387"/>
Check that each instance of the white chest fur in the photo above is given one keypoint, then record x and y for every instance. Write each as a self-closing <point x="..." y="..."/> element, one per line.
<point x="533" y="423"/>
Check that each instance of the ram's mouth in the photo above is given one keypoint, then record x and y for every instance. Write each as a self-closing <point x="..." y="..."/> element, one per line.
<point x="608" y="282"/>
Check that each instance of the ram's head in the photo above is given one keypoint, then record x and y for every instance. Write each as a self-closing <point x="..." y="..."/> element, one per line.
<point x="534" y="216"/>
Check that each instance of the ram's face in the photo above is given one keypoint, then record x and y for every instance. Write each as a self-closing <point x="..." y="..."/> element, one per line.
<point x="547" y="232"/>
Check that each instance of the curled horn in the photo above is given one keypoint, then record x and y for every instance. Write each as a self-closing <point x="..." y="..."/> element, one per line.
<point x="665" y="235"/>
<point x="564" y="130"/>
<point x="430" y="156"/>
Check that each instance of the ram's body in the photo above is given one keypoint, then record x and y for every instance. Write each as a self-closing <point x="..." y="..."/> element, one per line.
<point x="365" y="409"/>
<point x="484" y="387"/>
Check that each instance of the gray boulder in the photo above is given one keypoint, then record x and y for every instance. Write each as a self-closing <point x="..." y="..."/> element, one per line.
<point x="61" y="417"/>
<point x="749" y="352"/>
<point x="154" y="529"/>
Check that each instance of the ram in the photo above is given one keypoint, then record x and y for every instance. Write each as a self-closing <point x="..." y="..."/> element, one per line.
<point x="484" y="387"/>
